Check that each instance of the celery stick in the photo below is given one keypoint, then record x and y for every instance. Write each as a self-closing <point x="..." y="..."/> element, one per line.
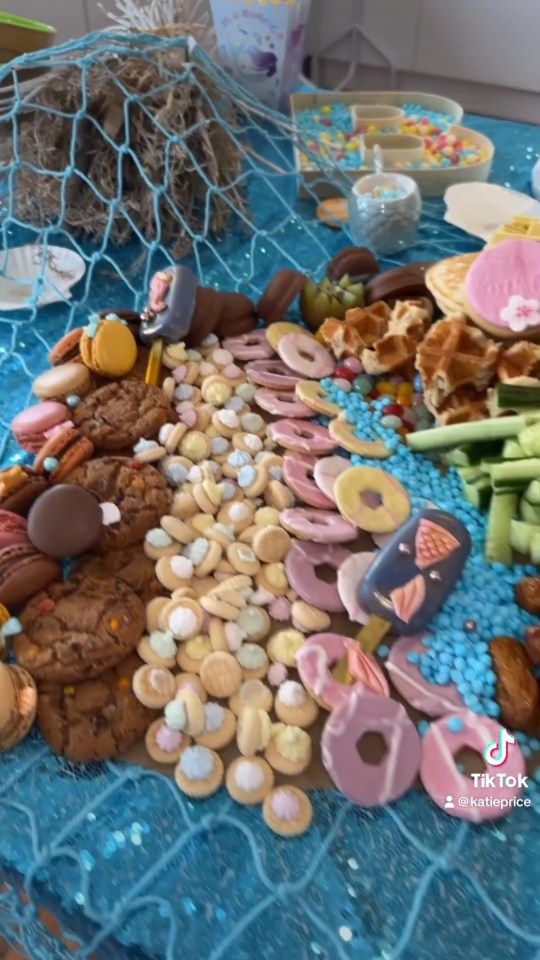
<point x="532" y="493"/>
<point x="457" y="434"/>
<point x="512" y="450"/>
<point x="529" y="512"/>
<point x="514" y="474"/>
<point x="502" y="508"/>
<point x="535" y="549"/>
<point x="521" y="535"/>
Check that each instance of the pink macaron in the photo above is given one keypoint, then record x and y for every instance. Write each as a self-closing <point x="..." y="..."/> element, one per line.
<point x="12" y="529"/>
<point x="32" y="427"/>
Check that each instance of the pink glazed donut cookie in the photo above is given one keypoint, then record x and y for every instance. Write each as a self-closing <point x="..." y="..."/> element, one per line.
<point x="326" y="472"/>
<point x="314" y="661"/>
<point x="321" y="526"/>
<point x="272" y="373"/>
<point x="301" y="437"/>
<point x="301" y="564"/>
<point x="298" y="470"/>
<point x="349" y="578"/>
<point x="409" y="681"/>
<point x="282" y="403"/>
<point x="371" y="785"/>
<point x="249" y="346"/>
<point x="305" y="356"/>
<point x="445" y="783"/>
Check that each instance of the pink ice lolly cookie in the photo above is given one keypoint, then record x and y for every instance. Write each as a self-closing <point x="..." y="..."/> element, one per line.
<point x="301" y="437"/>
<point x="503" y="287"/>
<point x="326" y="472"/>
<point x="409" y="681"/>
<point x="282" y="403"/>
<point x="322" y="526"/>
<point x="298" y="470"/>
<point x="249" y="346"/>
<point x="272" y="373"/>
<point x="443" y="781"/>
<point x="301" y="565"/>
<point x="371" y="785"/>
<point x="349" y="578"/>
<point x="306" y="356"/>
<point x="315" y="660"/>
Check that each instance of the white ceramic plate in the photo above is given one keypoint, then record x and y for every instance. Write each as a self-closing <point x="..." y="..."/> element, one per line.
<point x="23" y="269"/>
<point x="480" y="208"/>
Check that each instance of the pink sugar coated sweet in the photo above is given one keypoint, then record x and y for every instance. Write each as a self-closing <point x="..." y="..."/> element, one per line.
<point x="277" y="674"/>
<point x="354" y="364"/>
<point x="231" y="371"/>
<point x="280" y="609"/>
<point x="189" y="418"/>
<point x="286" y="805"/>
<point x="168" y="740"/>
<point x="179" y="373"/>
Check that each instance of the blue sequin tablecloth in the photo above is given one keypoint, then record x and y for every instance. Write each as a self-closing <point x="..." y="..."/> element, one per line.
<point x="132" y="868"/>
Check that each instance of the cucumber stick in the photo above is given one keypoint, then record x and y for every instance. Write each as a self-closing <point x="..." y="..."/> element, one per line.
<point x="502" y="508"/>
<point x="535" y="549"/>
<point x="529" y="512"/>
<point x="532" y="493"/>
<point x="513" y="395"/>
<point x="458" y="434"/>
<point x="514" y="474"/>
<point x="522" y="535"/>
<point x="512" y="450"/>
<point x="478" y="492"/>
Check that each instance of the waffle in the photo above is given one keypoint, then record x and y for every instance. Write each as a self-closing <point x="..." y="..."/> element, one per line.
<point x="463" y="406"/>
<point x="361" y="327"/>
<point x="454" y="355"/>
<point x="522" y="359"/>
<point x="519" y="228"/>
<point x="446" y="280"/>
<point x="396" y="350"/>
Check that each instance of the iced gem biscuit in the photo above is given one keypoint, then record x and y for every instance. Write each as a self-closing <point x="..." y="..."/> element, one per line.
<point x="249" y="781"/>
<point x="287" y="811"/>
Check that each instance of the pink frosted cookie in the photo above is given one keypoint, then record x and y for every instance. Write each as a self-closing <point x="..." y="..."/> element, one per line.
<point x="249" y="346"/>
<point x="272" y="373"/>
<point x="322" y="526"/>
<point x="282" y="403"/>
<point x="306" y="356"/>
<point x="371" y="785"/>
<point x="326" y="472"/>
<point x="408" y="680"/>
<point x="298" y="471"/>
<point x="503" y="290"/>
<point x="301" y="564"/>
<point x="443" y="781"/>
<point x="315" y="660"/>
<point x="301" y="437"/>
<point x="349" y="578"/>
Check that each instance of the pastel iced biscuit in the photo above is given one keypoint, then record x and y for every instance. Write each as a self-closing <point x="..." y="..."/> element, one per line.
<point x="249" y="346"/>
<point x="282" y="403"/>
<point x="344" y="435"/>
<point x="163" y="744"/>
<point x="294" y="706"/>
<point x="432" y="698"/>
<point x="248" y="781"/>
<point x="349" y="577"/>
<point x="219" y="727"/>
<point x="199" y="772"/>
<point x="321" y="526"/>
<point x="439" y="774"/>
<point x="298" y="471"/>
<point x="416" y="571"/>
<point x="391" y="505"/>
<point x="371" y="784"/>
<point x="185" y="712"/>
<point x="289" y="750"/>
<point x="272" y="373"/>
<point x="287" y="811"/>
<point x="313" y="394"/>
<point x="33" y="426"/>
<point x="253" y="660"/>
<point x="303" y="354"/>
<point x="503" y="290"/>
<point x="302" y="437"/>
<point x="301" y="564"/>
<point x="315" y="662"/>
<point x="153" y="686"/>
<point x="326" y="470"/>
<point x="252" y="693"/>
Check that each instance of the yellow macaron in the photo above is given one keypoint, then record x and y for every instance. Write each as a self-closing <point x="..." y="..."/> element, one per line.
<point x="108" y="346"/>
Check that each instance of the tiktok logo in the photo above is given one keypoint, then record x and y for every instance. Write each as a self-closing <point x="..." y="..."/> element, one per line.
<point x="496" y="753"/>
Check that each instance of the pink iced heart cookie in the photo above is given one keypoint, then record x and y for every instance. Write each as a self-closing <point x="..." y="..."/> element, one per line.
<point x="281" y="403"/>
<point x="350" y="575"/>
<point x="272" y="373"/>
<point x="315" y="660"/>
<point x="301" y="565"/>
<point x="503" y="290"/>
<point x="302" y="437"/>
<point x="321" y="526"/>
<point x="298" y="470"/>
<point x="326" y="472"/>
<point x="409" y="681"/>
<point x="306" y="356"/>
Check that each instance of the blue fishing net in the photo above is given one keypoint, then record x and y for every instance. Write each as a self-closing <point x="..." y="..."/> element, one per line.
<point x="127" y="865"/>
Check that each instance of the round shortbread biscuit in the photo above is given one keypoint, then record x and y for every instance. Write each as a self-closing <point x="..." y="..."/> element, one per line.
<point x="205" y="786"/>
<point x="309" y="619"/>
<point x="217" y="738"/>
<point x="271" y="544"/>
<point x="184" y="505"/>
<point x="195" y="445"/>
<point x="253" y="731"/>
<point x="278" y="495"/>
<point x="287" y="811"/>
<point x="249" y="781"/>
<point x="154" y="609"/>
<point x="194" y="712"/>
<point x="273" y="577"/>
<point x="252" y="693"/>
<point x="221" y="674"/>
<point x="173" y="743"/>
<point x="174" y="572"/>
<point x="176" y="529"/>
<point x="266" y="517"/>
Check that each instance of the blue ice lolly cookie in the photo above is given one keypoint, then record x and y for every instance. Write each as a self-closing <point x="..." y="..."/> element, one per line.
<point x="414" y="573"/>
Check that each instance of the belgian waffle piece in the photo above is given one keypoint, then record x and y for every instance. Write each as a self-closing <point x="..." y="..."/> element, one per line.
<point x="396" y="350"/>
<point x="454" y="356"/>
<point x="361" y="327"/>
<point x="446" y="281"/>
<point x="522" y="359"/>
<point x="519" y="228"/>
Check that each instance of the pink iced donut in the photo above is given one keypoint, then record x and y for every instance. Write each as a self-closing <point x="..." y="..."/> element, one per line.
<point x="349" y="578"/>
<point x="305" y="356"/>
<point x="272" y="373"/>
<point x="322" y="526"/>
<point x="249" y="346"/>
<point x="298" y="470"/>
<point x="445" y="784"/>
<point x="301" y="437"/>
<point x="315" y="660"/>
<point x="408" y="680"/>
<point x="326" y="472"/>
<point x="301" y="564"/>
<point x="371" y="785"/>
<point x="282" y="403"/>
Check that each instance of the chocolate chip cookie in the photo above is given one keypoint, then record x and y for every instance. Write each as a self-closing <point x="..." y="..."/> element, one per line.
<point x="117" y="415"/>
<point x="78" y="629"/>
<point x="130" y="565"/>
<point x="138" y="490"/>
<point x="96" y="719"/>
